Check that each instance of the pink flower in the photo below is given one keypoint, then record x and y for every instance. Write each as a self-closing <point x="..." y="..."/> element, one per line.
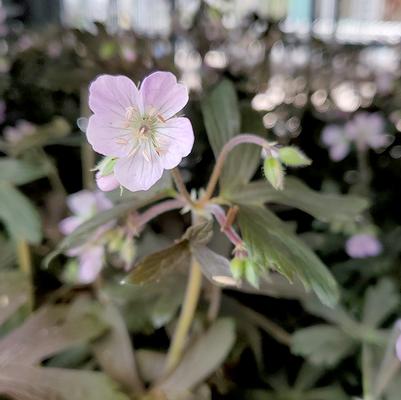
<point x="84" y="205"/>
<point x="22" y="129"/>
<point x="363" y="245"/>
<point x="107" y="183"/>
<point x="139" y="127"/>
<point x="366" y="131"/>
<point x="333" y="137"/>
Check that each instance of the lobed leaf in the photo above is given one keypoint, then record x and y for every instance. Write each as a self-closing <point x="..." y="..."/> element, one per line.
<point x="14" y="292"/>
<point x="322" y="344"/>
<point x="23" y="382"/>
<point x="324" y="207"/>
<point x="222" y="117"/>
<point x="49" y="331"/>
<point x="20" y="218"/>
<point x="271" y="245"/>
<point x="201" y="359"/>
<point x="153" y="267"/>
<point x="20" y="172"/>
<point x="381" y="301"/>
<point x="114" y="351"/>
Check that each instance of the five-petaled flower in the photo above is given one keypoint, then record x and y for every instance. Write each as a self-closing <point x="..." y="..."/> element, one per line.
<point x="138" y="127"/>
<point x="84" y="205"/>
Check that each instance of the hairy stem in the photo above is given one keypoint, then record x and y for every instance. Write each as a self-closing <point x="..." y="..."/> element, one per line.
<point x="230" y="145"/>
<point x="156" y="210"/>
<point x="185" y="319"/>
<point x="179" y="182"/>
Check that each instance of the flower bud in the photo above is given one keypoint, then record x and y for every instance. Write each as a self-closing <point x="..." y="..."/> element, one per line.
<point x="274" y="172"/>
<point x="107" y="183"/>
<point x="237" y="266"/>
<point x="293" y="157"/>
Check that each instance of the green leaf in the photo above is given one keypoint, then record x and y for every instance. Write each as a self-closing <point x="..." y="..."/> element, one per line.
<point x="322" y="344"/>
<point x="222" y="118"/>
<point x="19" y="172"/>
<point x="220" y="111"/>
<point x="274" y="172"/>
<point x="217" y="270"/>
<point x="23" y="382"/>
<point x="155" y="304"/>
<point x="20" y="218"/>
<point x="114" y="351"/>
<point x="271" y="245"/>
<point x="50" y="330"/>
<point x="202" y="359"/>
<point x="14" y="292"/>
<point x="381" y="301"/>
<point x="293" y="157"/>
<point x="153" y="267"/>
<point x="322" y="206"/>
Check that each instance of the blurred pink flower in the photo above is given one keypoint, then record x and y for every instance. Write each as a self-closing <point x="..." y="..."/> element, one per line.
<point x="366" y="131"/>
<point x="363" y="245"/>
<point x="138" y="127"/>
<point x="22" y="129"/>
<point x="338" y="144"/>
<point x="84" y="205"/>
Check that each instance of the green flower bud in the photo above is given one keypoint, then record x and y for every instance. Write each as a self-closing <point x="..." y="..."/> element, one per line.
<point x="106" y="166"/>
<point x="274" y="172"/>
<point x="293" y="157"/>
<point x="128" y="251"/>
<point x="251" y="273"/>
<point x="237" y="266"/>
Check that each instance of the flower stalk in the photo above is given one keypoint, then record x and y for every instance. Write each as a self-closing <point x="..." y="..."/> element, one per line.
<point x="227" y="148"/>
<point x="185" y="319"/>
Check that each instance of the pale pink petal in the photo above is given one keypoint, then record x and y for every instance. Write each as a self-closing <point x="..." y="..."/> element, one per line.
<point x="107" y="183"/>
<point x="339" y="151"/>
<point x="90" y="264"/>
<point x="108" y="138"/>
<point x="332" y="134"/>
<point x="139" y="172"/>
<point x="82" y="203"/>
<point x="110" y="96"/>
<point x="102" y="202"/>
<point x="69" y="224"/>
<point x="161" y="94"/>
<point x="363" y="245"/>
<point x="176" y="139"/>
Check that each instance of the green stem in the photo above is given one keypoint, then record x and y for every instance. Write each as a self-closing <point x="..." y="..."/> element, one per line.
<point x="185" y="319"/>
<point x="87" y="154"/>
<point x="367" y="372"/>
<point x="25" y="265"/>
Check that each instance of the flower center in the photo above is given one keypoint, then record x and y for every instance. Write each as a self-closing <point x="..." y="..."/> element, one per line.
<point x="143" y="129"/>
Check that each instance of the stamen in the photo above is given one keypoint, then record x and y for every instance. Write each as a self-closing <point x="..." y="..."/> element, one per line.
<point x="130" y="112"/>
<point x="160" y="118"/>
<point x="121" y="140"/>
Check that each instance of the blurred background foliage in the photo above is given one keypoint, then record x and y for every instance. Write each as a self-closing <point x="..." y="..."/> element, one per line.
<point x="298" y="66"/>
